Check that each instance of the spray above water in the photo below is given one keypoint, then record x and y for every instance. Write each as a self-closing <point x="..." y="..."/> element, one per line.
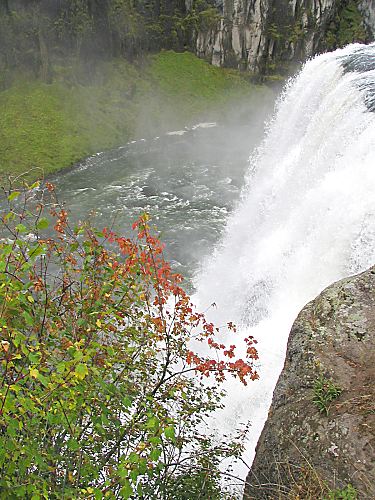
<point x="306" y="218"/>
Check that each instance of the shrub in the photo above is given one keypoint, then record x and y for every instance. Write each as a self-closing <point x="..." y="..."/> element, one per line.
<point x="101" y="393"/>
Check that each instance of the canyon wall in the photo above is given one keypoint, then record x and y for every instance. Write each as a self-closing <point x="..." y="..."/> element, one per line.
<point x="267" y="36"/>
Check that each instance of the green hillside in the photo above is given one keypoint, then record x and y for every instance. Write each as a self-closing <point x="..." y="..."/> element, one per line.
<point x="46" y="127"/>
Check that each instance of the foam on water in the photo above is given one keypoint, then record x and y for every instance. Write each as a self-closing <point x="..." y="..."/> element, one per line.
<point x="306" y="219"/>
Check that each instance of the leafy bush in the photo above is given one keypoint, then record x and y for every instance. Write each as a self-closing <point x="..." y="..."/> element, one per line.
<point x="101" y="394"/>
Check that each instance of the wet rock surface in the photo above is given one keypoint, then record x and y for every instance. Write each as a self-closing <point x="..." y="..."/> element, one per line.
<point x="314" y="441"/>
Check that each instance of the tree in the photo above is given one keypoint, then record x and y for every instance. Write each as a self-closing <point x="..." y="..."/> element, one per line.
<point x="75" y="25"/>
<point x="101" y="394"/>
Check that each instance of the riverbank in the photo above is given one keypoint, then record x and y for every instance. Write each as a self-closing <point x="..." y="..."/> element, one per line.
<point x="46" y="127"/>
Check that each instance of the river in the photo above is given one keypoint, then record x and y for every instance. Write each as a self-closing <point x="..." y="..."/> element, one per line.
<point x="188" y="181"/>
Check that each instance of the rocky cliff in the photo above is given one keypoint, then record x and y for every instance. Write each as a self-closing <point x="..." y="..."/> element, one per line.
<point x="262" y="36"/>
<point x="367" y="9"/>
<point x="320" y="433"/>
<point x="265" y="36"/>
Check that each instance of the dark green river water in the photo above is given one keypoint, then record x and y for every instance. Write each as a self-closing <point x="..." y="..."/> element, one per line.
<point x="187" y="180"/>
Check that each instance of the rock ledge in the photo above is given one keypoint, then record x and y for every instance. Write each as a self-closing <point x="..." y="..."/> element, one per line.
<point x="302" y="450"/>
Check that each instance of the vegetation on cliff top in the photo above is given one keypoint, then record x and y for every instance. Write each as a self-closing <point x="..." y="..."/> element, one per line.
<point x="40" y="34"/>
<point x="347" y="27"/>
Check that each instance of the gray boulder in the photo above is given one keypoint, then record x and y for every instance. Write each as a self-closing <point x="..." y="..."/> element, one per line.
<point x="320" y="432"/>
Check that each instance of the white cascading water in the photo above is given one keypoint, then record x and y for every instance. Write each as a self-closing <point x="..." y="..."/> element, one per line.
<point x="305" y="220"/>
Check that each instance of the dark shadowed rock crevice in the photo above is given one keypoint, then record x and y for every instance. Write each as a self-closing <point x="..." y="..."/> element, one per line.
<point x="314" y="439"/>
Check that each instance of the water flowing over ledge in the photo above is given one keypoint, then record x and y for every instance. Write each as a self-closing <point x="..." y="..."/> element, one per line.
<point x="305" y="220"/>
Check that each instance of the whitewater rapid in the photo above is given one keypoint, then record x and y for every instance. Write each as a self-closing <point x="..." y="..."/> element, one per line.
<point x="306" y="219"/>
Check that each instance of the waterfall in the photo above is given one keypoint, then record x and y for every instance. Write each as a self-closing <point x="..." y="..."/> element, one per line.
<point x="306" y="219"/>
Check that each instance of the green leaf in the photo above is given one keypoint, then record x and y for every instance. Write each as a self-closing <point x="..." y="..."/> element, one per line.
<point x="126" y="491"/>
<point x="155" y="454"/>
<point x="78" y="354"/>
<point x="73" y="247"/>
<point x="169" y="433"/>
<point x="155" y="440"/>
<point x="98" y="495"/>
<point x="18" y="338"/>
<point x="14" y="195"/>
<point x="127" y="401"/>
<point x="133" y="458"/>
<point x="81" y="371"/>
<point x="37" y="250"/>
<point x="21" y="228"/>
<point x="28" y="318"/>
<point x="44" y="380"/>
<point x="142" y="468"/>
<point x="34" y="357"/>
<point x="152" y="423"/>
<point x="12" y="428"/>
<point x="26" y="266"/>
<point x="7" y="249"/>
<point x="60" y="367"/>
<point x="140" y="490"/>
<point x="43" y="223"/>
<point x="34" y="372"/>
<point x="73" y="444"/>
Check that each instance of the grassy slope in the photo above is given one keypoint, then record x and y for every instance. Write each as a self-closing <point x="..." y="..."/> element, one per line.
<point x="53" y="126"/>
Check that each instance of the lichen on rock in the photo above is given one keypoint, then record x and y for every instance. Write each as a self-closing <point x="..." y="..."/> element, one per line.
<point x="303" y="448"/>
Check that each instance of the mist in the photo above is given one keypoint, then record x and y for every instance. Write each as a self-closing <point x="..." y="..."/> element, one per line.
<point x="188" y="178"/>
